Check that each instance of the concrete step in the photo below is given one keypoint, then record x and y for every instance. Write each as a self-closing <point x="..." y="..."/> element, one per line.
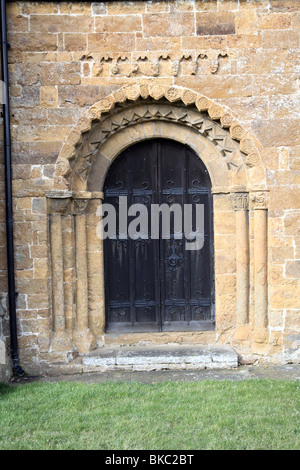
<point x="165" y="357"/>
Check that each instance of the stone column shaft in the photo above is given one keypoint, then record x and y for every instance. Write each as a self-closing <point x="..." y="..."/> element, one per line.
<point x="69" y="271"/>
<point x="61" y="345"/>
<point x="83" y="337"/>
<point x="259" y="205"/>
<point x="95" y="268"/>
<point x="242" y="266"/>
<point x="260" y="262"/>
<point x="240" y="204"/>
<point x="81" y="268"/>
<point x="57" y="273"/>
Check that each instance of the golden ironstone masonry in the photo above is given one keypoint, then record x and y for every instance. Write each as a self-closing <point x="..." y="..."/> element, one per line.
<point x="90" y="79"/>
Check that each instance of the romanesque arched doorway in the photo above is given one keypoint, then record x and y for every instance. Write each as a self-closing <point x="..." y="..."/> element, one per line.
<point x="240" y="203"/>
<point x="157" y="277"/>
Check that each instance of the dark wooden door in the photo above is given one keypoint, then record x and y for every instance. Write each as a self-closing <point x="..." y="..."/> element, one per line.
<point x="157" y="284"/>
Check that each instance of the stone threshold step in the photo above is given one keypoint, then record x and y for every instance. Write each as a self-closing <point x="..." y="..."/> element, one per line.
<point x="161" y="357"/>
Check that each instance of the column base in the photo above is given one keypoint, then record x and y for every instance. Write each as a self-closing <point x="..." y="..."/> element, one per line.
<point x="62" y="347"/>
<point x="260" y="335"/>
<point x="242" y="332"/>
<point x="84" y="340"/>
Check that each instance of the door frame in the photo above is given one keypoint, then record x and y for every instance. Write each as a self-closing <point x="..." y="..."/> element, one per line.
<point x="159" y="325"/>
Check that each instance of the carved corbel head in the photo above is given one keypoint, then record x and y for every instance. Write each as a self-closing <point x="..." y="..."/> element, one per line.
<point x="213" y="57"/>
<point x="175" y="67"/>
<point x="115" y="69"/>
<point x="155" y="68"/>
<point x="134" y="68"/>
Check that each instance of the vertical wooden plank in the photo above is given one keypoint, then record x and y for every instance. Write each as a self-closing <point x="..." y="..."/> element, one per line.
<point x="187" y="260"/>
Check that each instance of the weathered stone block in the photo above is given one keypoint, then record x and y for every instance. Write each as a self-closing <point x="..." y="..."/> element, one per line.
<point x="33" y="42"/>
<point x="17" y="24"/>
<point x="241" y="41"/>
<point x="292" y="223"/>
<point x="39" y="8"/>
<point x="291" y="344"/>
<point x="294" y="158"/>
<point x="224" y="241"/>
<point x="49" y="97"/>
<point x="226" y="284"/>
<point x="293" y="269"/>
<point x="206" y="5"/>
<point x="61" y="23"/>
<point x="286" y="296"/>
<point x="280" y="253"/>
<point x="217" y="23"/>
<point x="276" y="318"/>
<point x="75" y="42"/>
<point x="118" y="24"/>
<point x="218" y="86"/>
<point x="111" y="42"/>
<point x="81" y="8"/>
<point x="284" y="5"/>
<point x="246" y="22"/>
<point x="250" y="4"/>
<point x="242" y="333"/>
<point x="60" y="73"/>
<point x="280" y="39"/>
<point x="3" y="360"/>
<point x="13" y="8"/>
<point x="277" y="133"/>
<point x="162" y="358"/>
<point x="224" y="222"/>
<point x="225" y="262"/>
<point x="120" y="8"/>
<point x="274" y="21"/>
<point x="292" y="320"/>
<point x="157" y="6"/>
<point x="99" y="8"/>
<point x="265" y="84"/>
<point x="172" y="24"/>
<point x="227" y="5"/>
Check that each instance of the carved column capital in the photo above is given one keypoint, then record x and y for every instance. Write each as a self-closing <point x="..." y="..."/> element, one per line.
<point x="68" y="202"/>
<point x="58" y="202"/>
<point x="259" y="200"/>
<point x="79" y="206"/>
<point x="80" y="202"/>
<point x="240" y="201"/>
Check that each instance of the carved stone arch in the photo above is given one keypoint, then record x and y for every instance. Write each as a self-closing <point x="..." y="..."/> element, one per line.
<point x="232" y="158"/>
<point x="115" y="144"/>
<point x="135" y="105"/>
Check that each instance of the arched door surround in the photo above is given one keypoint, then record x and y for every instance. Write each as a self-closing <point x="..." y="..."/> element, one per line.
<point x="231" y="156"/>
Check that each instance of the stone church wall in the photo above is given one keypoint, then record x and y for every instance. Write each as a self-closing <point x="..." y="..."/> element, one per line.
<point x="65" y="57"/>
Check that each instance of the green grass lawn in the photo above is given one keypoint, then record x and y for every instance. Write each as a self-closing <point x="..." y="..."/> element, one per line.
<point x="253" y="414"/>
